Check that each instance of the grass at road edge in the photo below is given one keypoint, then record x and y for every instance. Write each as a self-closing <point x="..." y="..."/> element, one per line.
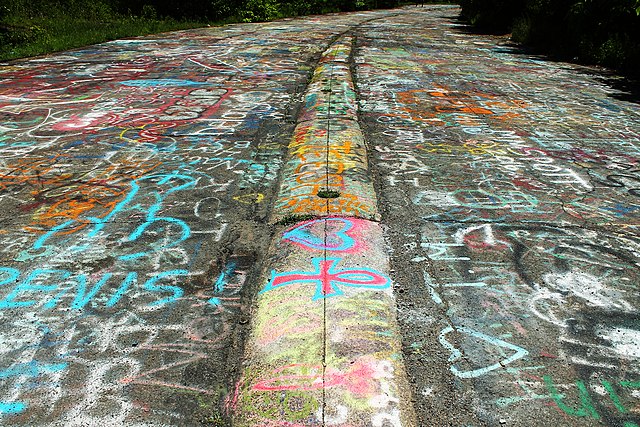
<point x="47" y="35"/>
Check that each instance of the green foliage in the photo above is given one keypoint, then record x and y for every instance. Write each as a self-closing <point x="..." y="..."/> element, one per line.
<point x="606" y="32"/>
<point x="45" y="35"/>
<point x="202" y="10"/>
<point x="32" y="27"/>
<point x="4" y="12"/>
<point x="13" y="35"/>
<point x="149" y="12"/>
<point x="260" y="10"/>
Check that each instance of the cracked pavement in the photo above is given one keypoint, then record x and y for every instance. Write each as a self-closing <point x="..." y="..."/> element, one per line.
<point x="509" y="186"/>
<point x="138" y="177"/>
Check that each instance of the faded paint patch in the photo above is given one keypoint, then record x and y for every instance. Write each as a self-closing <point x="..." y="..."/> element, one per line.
<point x="625" y="342"/>
<point x="587" y="288"/>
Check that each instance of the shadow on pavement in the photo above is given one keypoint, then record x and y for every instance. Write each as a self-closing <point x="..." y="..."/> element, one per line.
<point x="627" y="87"/>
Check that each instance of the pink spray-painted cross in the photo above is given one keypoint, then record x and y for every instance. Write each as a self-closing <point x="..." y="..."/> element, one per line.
<point x="327" y="278"/>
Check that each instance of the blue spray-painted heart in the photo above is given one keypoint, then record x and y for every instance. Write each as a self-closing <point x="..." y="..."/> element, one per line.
<point x="518" y="352"/>
<point x="335" y="241"/>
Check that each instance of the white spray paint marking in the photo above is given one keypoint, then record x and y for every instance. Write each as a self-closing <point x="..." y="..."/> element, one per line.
<point x="436" y="198"/>
<point x="427" y="391"/>
<point x="588" y="288"/>
<point x="542" y="302"/>
<point x="625" y="342"/>
<point x="489" y="238"/>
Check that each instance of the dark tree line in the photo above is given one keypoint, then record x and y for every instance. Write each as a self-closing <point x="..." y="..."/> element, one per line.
<point x="594" y="31"/>
<point x="200" y="10"/>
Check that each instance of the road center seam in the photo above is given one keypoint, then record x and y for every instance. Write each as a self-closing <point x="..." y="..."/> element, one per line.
<point x="325" y="348"/>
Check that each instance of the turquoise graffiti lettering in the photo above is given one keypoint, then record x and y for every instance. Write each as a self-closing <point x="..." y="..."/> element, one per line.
<point x="82" y="296"/>
<point x="176" y="182"/>
<point x="45" y="288"/>
<point x="131" y="278"/>
<point x="161" y="83"/>
<point x="518" y="352"/>
<point x="221" y="281"/>
<point x="30" y="369"/>
<point x="177" y="291"/>
<point x="11" y="408"/>
<point x="33" y="285"/>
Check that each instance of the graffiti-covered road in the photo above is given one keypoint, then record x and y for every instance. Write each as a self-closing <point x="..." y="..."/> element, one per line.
<point x="135" y="181"/>
<point x="368" y="219"/>
<point x="509" y="185"/>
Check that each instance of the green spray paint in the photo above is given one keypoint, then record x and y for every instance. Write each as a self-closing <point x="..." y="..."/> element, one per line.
<point x="586" y="409"/>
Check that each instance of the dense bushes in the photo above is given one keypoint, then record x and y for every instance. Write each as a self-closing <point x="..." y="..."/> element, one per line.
<point x="606" y="32"/>
<point x="491" y="15"/>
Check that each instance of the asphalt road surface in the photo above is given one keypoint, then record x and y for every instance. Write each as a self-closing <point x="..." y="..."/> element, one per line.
<point x="141" y="193"/>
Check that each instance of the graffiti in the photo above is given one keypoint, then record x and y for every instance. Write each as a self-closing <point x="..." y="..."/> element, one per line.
<point x="586" y="407"/>
<point x="250" y="198"/>
<point x="587" y="288"/>
<point x="327" y="277"/>
<point x="508" y="183"/>
<point x="11" y="408"/>
<point x="457" y="354"/>
<point x="98" y="224"/>
<point x="125" y="170"/>
<point x="336" y="241"/>
<point x="323" y="356"/>
<point x="31" y="369"/>
<point x="160" y="83"/>
<point x="327" y="151"/>
<point x="359" y="379"/>
<point x="35" y="284"/>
